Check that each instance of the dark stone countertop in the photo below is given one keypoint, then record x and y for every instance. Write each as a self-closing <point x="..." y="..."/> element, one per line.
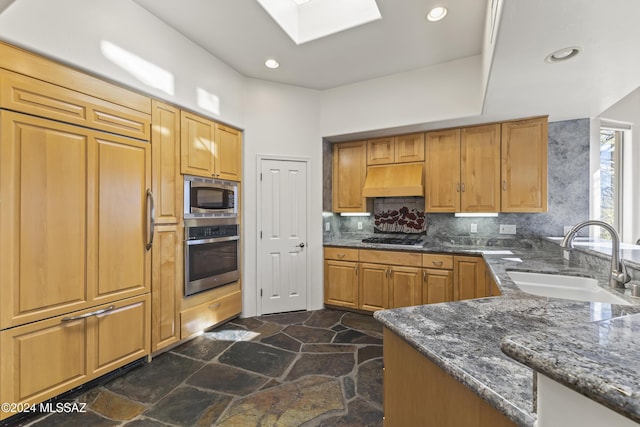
<point x="464" y="338"/>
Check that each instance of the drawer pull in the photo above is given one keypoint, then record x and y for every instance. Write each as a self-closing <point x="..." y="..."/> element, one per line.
<point x="341" y="255"/>
<point x="437" y="263"/>
<point x="214" y="306"/>
<point x="84" y="316"/>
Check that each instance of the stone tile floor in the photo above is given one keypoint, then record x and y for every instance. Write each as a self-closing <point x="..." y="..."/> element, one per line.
<point x="314" y="368"/>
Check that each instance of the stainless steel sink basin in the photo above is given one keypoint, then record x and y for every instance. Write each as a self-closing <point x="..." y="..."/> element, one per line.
<point x="565" y="287"/>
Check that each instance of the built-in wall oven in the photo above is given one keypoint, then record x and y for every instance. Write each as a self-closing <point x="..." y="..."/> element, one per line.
<point x="211" y="253"/>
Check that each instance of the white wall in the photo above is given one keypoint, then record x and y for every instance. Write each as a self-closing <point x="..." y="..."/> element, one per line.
<point x="446" y="91"/>
<point x="281" y="120"/>
<point x="72" y="31"/>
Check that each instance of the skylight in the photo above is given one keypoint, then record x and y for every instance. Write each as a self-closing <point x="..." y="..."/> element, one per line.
<point x="306" y="20"/>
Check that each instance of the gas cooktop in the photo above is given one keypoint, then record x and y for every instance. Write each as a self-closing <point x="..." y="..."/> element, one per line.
<point x="400" y="240"/>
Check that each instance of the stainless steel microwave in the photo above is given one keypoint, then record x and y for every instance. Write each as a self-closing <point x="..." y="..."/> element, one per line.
<point x="206" y="197"/>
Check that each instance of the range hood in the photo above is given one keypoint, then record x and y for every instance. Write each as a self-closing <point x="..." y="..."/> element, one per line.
<point x="397" y="180"/>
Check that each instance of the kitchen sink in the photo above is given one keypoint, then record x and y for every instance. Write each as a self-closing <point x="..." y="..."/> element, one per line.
<point x="565" y="287"/>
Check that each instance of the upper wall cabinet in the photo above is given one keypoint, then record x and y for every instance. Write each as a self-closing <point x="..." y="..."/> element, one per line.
<point x="349" y="173"/>
<point x="463" y="170"/>
<point x="396" y="149"/>
<point x="489" y="168"/>
<point x="524" y="165"/>
<point x="209" y="149"/>
<point x="38" y="98"/>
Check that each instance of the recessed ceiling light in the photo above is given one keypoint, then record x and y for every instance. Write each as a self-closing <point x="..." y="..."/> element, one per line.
<point x="271" y="63"/>
<point x="437" y="13"/>
<point x="300" y="1"/>
<point x="562" y="54"/>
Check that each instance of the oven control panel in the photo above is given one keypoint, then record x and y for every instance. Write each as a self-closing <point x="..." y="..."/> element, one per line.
<point x="211" y="232"/>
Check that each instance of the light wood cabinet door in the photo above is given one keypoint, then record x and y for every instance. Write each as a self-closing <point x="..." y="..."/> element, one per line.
<point x="120" y="335"/>
<point x="524" y="165"/>
<point x="167" y="283"/>
<point x="480" y="169"/>
<point x="167" y="182"/>
<point x="121" y="219"/>
<point x="405" y="287"/>
<point x="409" y="148"/>
<point x="197" y="145"/>
<point x="228" y="164"/>
<point x="442" y="171"/>
<point x="380" y="151"/>
<point x="42" y="359"/>
<point x="437" y="286"/>
<point x="341" y="283"/>
<point x="349" y="173"/>
<point x="43" y="218"/>
<point x="374" y="286"/>
<point x="469" y="278"/>
<point x="491" y="287"/>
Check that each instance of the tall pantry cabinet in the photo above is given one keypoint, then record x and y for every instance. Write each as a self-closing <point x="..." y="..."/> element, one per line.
<point x="75" y="269"/>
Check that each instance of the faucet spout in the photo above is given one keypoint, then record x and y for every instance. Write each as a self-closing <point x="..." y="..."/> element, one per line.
<point x="618" y="276"/>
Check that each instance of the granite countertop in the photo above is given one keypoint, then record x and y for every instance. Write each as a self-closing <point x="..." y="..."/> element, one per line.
<point x="595" y="359"/>
<point x="464" y="338"/>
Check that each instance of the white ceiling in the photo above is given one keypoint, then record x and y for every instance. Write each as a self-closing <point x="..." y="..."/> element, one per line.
<point x="243" y="35"/>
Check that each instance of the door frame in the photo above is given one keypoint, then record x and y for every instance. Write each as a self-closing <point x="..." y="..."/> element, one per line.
<point x="259" y="159"/>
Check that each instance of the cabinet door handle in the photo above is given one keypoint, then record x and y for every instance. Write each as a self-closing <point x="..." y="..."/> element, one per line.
<point x="457" y="187"/>
<point x="437" y="263"/>
<point x="462" y="187"/>
<point x="424" y="276"/>
<point x="84" y="316"/>
<point x="214" y="306"/>
<point x="504" y="185"/>
<point x="151" y="225"/>
<point x="355" y="269"/>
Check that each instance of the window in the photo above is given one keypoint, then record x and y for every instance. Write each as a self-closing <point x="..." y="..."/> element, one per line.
<point x="611" y="141"/>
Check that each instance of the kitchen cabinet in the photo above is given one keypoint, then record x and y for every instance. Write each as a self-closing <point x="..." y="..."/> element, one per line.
<point x="468" y="277"/>
<point x="437" y="278"/>
<point x="396" y="149"/>
<point x="45" y="358"/>
<point x="73" y="218"/>
<point x="75" y="179"/>
<point x="341" y="277"/>
<point x="389" y="279"/>
<point x="167" y="284"/>
<point x="165" y="148"/>
<point x="463" y="170"/>
<point x="219" y="305"/>
<point x="417" y="392"/>
<point x="524" y="165"/>
<point x="349" y="173"/>
<point x="209" y="149"/>
<point x="167" y="279"/>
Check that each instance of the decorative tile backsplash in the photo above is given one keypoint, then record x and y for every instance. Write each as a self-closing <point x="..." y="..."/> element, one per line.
<point x="403" y="220"/>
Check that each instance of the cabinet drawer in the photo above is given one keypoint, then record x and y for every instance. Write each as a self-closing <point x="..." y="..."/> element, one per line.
<point x="205" y="315"/>
<point x="27" y="95"/>
<point x="341" y="254"/>
<point x="411" y="259"/>
<point x="437" y="261"/>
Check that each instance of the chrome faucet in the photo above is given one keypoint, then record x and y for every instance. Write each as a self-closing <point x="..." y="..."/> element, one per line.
<point x="618" y="276"/>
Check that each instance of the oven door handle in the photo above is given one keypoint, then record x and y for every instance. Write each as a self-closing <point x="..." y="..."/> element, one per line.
<point x="151" y="225"/>
<point x="214" y="240"/>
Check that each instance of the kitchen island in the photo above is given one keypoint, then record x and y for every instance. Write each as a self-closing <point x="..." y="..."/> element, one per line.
<point x="464" y="338"/>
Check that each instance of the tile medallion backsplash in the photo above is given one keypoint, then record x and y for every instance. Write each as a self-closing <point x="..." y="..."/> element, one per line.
<point x="403" y="220"/>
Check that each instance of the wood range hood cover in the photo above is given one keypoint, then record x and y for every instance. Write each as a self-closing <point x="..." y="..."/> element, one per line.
<point x="397" y="180"/>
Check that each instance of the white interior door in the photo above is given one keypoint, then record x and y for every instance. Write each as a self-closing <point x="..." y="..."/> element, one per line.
<point x="282" y="225"/>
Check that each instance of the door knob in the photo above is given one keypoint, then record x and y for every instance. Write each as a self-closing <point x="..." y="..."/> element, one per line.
<point x="301" y="245"/>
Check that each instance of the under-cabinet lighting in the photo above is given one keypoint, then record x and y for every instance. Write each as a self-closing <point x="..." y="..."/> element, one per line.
<point x="475" y="214"/>
<point x="355" y="214"/>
